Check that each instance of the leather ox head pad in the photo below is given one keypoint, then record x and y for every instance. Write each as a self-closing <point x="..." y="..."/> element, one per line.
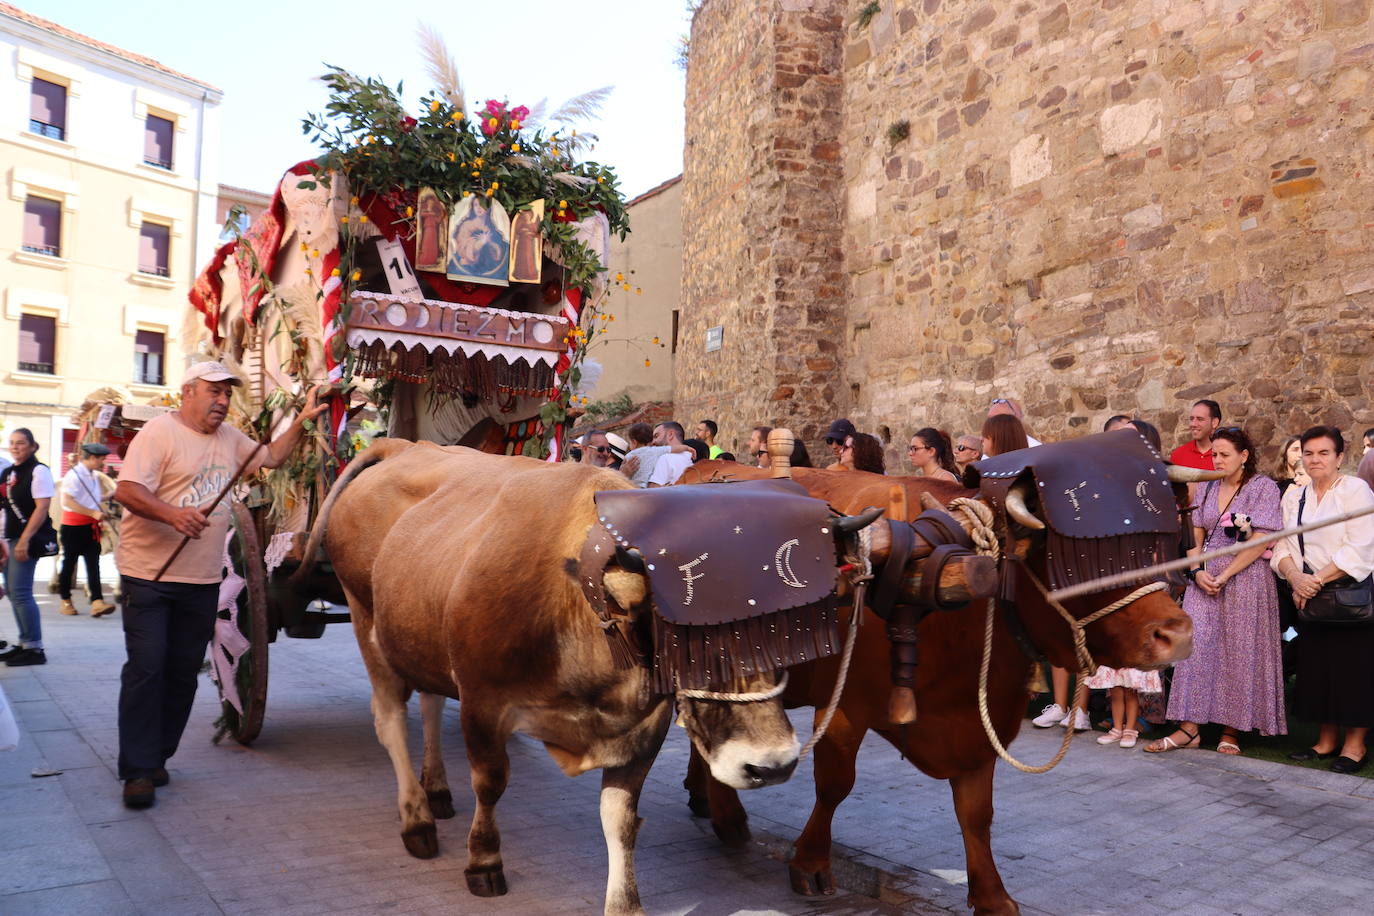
<point x="743" y="576"/>
<point x="1106" y="502"/>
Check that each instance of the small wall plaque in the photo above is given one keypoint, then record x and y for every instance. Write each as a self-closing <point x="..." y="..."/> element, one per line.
<point x="715" y="337"/>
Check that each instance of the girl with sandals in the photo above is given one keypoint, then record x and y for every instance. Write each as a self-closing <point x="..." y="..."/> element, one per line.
<point x="1124" y="686"/>
<point x="1234" y="676"/>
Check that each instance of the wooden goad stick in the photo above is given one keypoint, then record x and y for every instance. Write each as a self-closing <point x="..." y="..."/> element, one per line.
<point x="185" y="539"/>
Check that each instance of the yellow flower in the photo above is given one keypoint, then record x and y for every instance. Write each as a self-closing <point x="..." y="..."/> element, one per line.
<point x="304" y="247"/>
<point x="493" y="122"/>
<point x="612" y="318"/>
<point x="656" y="342"/>
<point x="562" y="212"/>
<point x="467" y="193"/>
<point x="362" y="218"/>
<point x="456" y="116"/>
<point x="625" y="286"/>
<point x="600" y="179"/>
<point x="334" y="272"/>
<point x="452" y="157"/>
<point x="357" y="275"/>
<point x="314" y="252"/>
<point x="490" y="191"/>
<point x="496" y="185"/>
<point x="574" y="133"/>
<point x="515" y="147"/>
<point x="410" y="211"/>
<point x="477" y="162"/>
<point x="646" y="364"/>
<point x="515" y="124"/>
<point x="434" y="105"/>
<point x="353" y="201"/>
<point x="476" y="174"/>
<point x="639" y="291"/>
<point x="619" y="277"/>
<point x="562" y="205"/>
<point x="344" y="220"/>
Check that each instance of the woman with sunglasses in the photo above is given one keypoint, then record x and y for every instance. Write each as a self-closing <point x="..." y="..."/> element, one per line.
<point x="966" y="451"/>
<point x="1235" y="674"/>
<point x="931" y="455"/>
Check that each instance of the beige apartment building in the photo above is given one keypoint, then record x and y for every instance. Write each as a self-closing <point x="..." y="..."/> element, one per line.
<point x="108" y="160"/>
<point x="645" y="326"/>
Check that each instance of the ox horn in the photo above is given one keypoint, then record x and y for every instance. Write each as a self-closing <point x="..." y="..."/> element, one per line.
<point x="630" y="559"/>
<point x="847" y="524"/>
<point x="1016" y="508"/>
<point x="1180" y="474"/>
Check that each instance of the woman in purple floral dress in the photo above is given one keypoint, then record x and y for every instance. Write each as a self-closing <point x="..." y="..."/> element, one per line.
<point x="1235" y="674"/>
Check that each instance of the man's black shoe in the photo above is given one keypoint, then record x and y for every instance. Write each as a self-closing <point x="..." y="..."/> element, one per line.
<point x="10" y="653"/>
<point x="27" y="657"/>
<point x="160" y="777"/>
<point x="139" y="793"/>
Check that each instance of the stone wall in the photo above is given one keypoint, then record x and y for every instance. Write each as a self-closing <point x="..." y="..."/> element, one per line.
<point x="1120" y="206"/>
<point x="763" y="218"/>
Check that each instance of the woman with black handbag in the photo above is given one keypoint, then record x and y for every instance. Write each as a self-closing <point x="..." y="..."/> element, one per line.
<point x="1329" y="571"/>
<point x="27" y="490"/>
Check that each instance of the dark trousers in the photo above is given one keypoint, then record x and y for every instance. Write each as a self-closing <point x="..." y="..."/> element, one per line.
<point x="79" y="543"/>
<point x="167" y="626"/>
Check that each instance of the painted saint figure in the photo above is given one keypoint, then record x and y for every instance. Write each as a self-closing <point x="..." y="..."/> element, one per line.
<point x="527" y="245"/>
<point x="479" y="242"/>
<point x="431" y="231"/>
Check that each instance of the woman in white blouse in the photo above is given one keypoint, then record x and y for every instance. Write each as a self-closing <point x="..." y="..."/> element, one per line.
<point x="1335" y="663"/>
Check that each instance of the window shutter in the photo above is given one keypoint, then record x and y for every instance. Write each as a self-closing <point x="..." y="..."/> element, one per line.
<point x="154" y="240"/>
<point x="148" y="351"/>
<point x="43" y="225"/>
<point x="157" y="142"/>
<point x="37" y="336"/>
<point x="48" y="104"/>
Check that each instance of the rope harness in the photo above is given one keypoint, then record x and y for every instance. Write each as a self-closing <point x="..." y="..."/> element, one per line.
<point x="985" y="539"/>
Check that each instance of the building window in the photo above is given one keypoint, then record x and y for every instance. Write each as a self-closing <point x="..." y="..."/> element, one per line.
<point x="157" y="142"/>
<point x="148" y="347"/>
<point x="154" y="240"/>
<point x="42" y="226"/>
<point x="48" y="109"/>
<point x="37" y="340"/>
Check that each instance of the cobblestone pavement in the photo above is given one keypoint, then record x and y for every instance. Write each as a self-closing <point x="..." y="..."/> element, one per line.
<point x="305" y="820"/>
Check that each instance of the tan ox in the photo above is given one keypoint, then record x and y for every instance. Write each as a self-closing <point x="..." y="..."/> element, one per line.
<point x="460" y="570"/>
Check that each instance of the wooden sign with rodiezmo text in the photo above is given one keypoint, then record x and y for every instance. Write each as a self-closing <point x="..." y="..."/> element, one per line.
<point x="430" y="318"/>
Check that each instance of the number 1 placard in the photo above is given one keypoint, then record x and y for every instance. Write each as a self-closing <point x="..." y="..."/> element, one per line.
<point x="400" y="278"/>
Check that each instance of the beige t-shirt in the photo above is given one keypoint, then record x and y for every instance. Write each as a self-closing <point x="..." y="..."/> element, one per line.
<point x="182" y="467"/>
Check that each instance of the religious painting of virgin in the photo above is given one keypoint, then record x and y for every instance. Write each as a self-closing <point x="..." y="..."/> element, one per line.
<point x="595" y="233"/>
<point x="479" y="242"/>
<point x="527" y="244"/>
<point x="431" y="232"/>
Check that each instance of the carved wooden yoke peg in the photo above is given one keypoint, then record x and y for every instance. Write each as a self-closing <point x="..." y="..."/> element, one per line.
<point x="780" y="445"/>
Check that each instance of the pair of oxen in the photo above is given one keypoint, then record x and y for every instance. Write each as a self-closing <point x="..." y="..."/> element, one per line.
<point x="462" y="570"/>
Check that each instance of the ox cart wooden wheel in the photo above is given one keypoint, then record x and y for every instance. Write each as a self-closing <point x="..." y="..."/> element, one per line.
<point x="245" y="553"/>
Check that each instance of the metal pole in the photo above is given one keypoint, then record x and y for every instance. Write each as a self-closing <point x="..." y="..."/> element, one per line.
<point x="1126" y="578"/>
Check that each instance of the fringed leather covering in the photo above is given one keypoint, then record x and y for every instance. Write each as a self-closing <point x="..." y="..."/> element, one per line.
<point x="743" y="577"/>
<point x="1106" y="501"/>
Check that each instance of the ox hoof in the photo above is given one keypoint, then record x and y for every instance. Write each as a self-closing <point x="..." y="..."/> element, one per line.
<point x="441" y="803"/>
<point x="699" y="805"/>
<point x="486" y="880"/>
<point x="732" y="833"/>
<point x="811" y="883"/>
<point x="422" y="841"/>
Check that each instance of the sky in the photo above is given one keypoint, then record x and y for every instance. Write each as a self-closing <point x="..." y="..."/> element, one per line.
<point x="267" y="56"/>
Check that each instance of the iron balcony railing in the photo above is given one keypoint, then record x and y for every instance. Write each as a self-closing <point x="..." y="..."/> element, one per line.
<point x="51" y="251"/>
<point x="40" y="368"/>
<point x="154" y="270"/>
<point x="158" y="163"/>
<point x="44" y="129"/>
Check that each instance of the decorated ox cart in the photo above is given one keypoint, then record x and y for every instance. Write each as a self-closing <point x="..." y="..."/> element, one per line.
<point x="442" y="273"/>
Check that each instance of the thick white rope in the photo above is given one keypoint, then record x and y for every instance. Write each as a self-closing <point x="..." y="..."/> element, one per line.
<point x="985" y="540"/>
<point x="693" y="693"/>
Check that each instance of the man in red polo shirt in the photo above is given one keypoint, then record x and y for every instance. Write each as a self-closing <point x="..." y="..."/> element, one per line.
<point x="1203" y="420"/>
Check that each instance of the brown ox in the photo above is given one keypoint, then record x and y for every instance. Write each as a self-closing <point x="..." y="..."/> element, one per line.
<point x="460" y="572"/>
<point x="947" y="741"/>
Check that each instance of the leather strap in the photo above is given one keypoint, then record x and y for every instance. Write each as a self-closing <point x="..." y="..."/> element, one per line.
<point x="937" y="527"/>
<point x="890" y="580"/>
<point x="1011" y="618"/>
<point x="931" y="568"/>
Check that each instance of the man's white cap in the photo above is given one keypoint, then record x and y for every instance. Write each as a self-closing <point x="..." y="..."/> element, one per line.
<point x="210" y="371"/>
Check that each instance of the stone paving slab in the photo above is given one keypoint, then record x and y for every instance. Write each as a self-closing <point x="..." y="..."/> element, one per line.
<point x="304" y="822"/>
